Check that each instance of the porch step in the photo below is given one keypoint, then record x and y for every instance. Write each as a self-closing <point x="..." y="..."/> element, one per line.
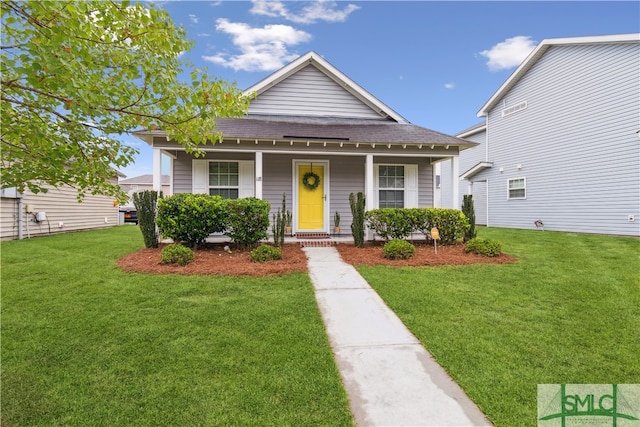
<point x="307" y="236"/>
<point x="317" y="243"/>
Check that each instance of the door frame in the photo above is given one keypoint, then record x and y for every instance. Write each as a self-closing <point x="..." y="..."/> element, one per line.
<point x="325" y="185"/>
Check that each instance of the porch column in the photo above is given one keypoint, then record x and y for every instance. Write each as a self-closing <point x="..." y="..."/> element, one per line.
<point x="455" y="180"/>
<point x="258" y="189"/>
<point x="157" y="169"/>
<point x="368" y="191"/>
<point x="368" y="183"/>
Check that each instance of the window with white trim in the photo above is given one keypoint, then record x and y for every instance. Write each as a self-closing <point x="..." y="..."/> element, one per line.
<point x="517" y="188"/>
<point x="224" y="179"/>
<point x="391" y="186"/>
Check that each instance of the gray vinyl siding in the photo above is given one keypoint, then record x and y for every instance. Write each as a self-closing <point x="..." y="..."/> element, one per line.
<point x="310" y="92"/>
<point x="468" y="158"/>
<point x="346" y="174"/>
<point x="576" y="142"/>
<point x="60" y="206"/>
<point x="479" y="192"/>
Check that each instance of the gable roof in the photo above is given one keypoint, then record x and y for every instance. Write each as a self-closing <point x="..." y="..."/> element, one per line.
<point x="313" y="59"/>
<point x="540" y="50"/>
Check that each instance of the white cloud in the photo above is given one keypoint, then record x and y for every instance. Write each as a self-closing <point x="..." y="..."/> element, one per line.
<point x="509" y="53"/>
<point x="203" y="35"/>
<point x="261" y="49"/>
<point x="322" y="10"/>
<point x="193" y="18"/>
<point x="449" y="86"/>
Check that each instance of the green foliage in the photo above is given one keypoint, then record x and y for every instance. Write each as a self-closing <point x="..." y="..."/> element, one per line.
<point x="390" y="223"/>
<point x="190" y="218"/>
<point x="398" y="223"/>
<point x="469" y="211"/>
<point x="336" y="219"/>
<point x="247" y="220"/>
<point x="357" y="204"/>
<point x="398" y="249"/>
<point x="74" y="74"/>
<point x="484" y="247"/>
<point x="264" y="253"/>
<point x="146" y="208"/>
<point x="280" y="222"/>
<point x="176" y="254"/>
<point x="451" y="223"/>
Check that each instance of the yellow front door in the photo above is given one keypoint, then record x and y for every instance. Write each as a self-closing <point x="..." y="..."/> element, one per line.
<point x="310" y="200"/>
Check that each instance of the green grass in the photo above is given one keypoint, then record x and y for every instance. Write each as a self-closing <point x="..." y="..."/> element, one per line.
<point x="567" y="312"/>
<point x="84" y="343"/>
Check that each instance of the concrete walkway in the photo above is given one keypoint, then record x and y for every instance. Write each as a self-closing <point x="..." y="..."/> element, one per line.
<point x="391" y="380"/>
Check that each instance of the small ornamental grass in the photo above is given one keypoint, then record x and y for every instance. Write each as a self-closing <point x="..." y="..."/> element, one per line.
<point x="176" y="254"/>
<point x="484" y="247"/>
<point x="398" y="249"/>
<point x="264" y="253"/>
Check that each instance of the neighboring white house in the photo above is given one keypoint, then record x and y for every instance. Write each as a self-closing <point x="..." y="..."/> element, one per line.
<point x="142" y="183"/>
<point x="559" y="142"/>
<point x="24" y="215"/>
<point x="317" y="136"/>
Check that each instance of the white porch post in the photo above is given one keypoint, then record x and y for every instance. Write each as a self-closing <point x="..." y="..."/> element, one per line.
<point x="368" y="183"/>
<point x="455" y="180"/>
<point x="258" y="189"/>
<point x="368" y="190"/>
<point x="157" y="169"/>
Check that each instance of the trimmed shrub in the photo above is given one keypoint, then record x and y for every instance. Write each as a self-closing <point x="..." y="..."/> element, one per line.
<point x="191" y="218"/>
<point x="390" y="223"/>
<point x="264" y="253"/>
<point x="247" y="220"/>
<point x="469" y="211"/>
<point x="484" y="247"/>
<point x="398" y="249"/>
<point x="357" y="204"/>
<point x="146" y="207"/>
<point x="451" y="223"/>
<point x="176" y="254"/>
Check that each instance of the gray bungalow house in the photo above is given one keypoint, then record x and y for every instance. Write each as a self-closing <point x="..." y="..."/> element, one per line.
<point x="317" y="136"/>
<point x="559" y="142"/>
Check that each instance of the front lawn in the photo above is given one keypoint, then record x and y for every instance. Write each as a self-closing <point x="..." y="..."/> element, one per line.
<point x="84" y="343"/>
<point x="567" y="312"/>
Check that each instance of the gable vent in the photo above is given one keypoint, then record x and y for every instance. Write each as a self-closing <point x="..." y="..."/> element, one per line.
<point x="518" y="107"/>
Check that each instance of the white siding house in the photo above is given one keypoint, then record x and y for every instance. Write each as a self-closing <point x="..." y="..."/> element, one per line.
<point x="560" y="141"/>
<point x="56" y="211"/>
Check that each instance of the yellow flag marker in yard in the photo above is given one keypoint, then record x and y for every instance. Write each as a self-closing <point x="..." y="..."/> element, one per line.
<point x="435" y="235"/>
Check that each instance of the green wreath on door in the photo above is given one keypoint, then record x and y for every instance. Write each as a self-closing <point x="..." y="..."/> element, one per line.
<point x="310" y="180"/>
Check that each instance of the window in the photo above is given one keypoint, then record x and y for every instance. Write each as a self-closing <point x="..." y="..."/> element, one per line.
<point x="224" y="179"/>
<point x="517" y="188"/>
<point x="391" y="186"/>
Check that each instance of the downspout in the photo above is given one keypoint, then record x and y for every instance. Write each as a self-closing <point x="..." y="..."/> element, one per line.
<point x="20" y="207"/>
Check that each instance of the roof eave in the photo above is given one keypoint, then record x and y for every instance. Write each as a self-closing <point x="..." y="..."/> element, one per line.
<point x="476" y="169"/>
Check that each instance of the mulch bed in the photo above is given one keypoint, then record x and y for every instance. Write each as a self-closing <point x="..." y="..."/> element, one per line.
<point x="214" y="260"/>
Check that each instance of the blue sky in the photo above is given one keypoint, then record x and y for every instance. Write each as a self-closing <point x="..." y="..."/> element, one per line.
<point x="435" y="63"/>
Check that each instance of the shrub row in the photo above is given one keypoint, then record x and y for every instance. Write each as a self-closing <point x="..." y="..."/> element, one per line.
<point x="191" y="218"/>
<point x="398" y="223"/>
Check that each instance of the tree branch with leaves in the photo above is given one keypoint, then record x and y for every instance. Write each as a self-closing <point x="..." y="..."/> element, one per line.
<point x="76" y="75"/>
